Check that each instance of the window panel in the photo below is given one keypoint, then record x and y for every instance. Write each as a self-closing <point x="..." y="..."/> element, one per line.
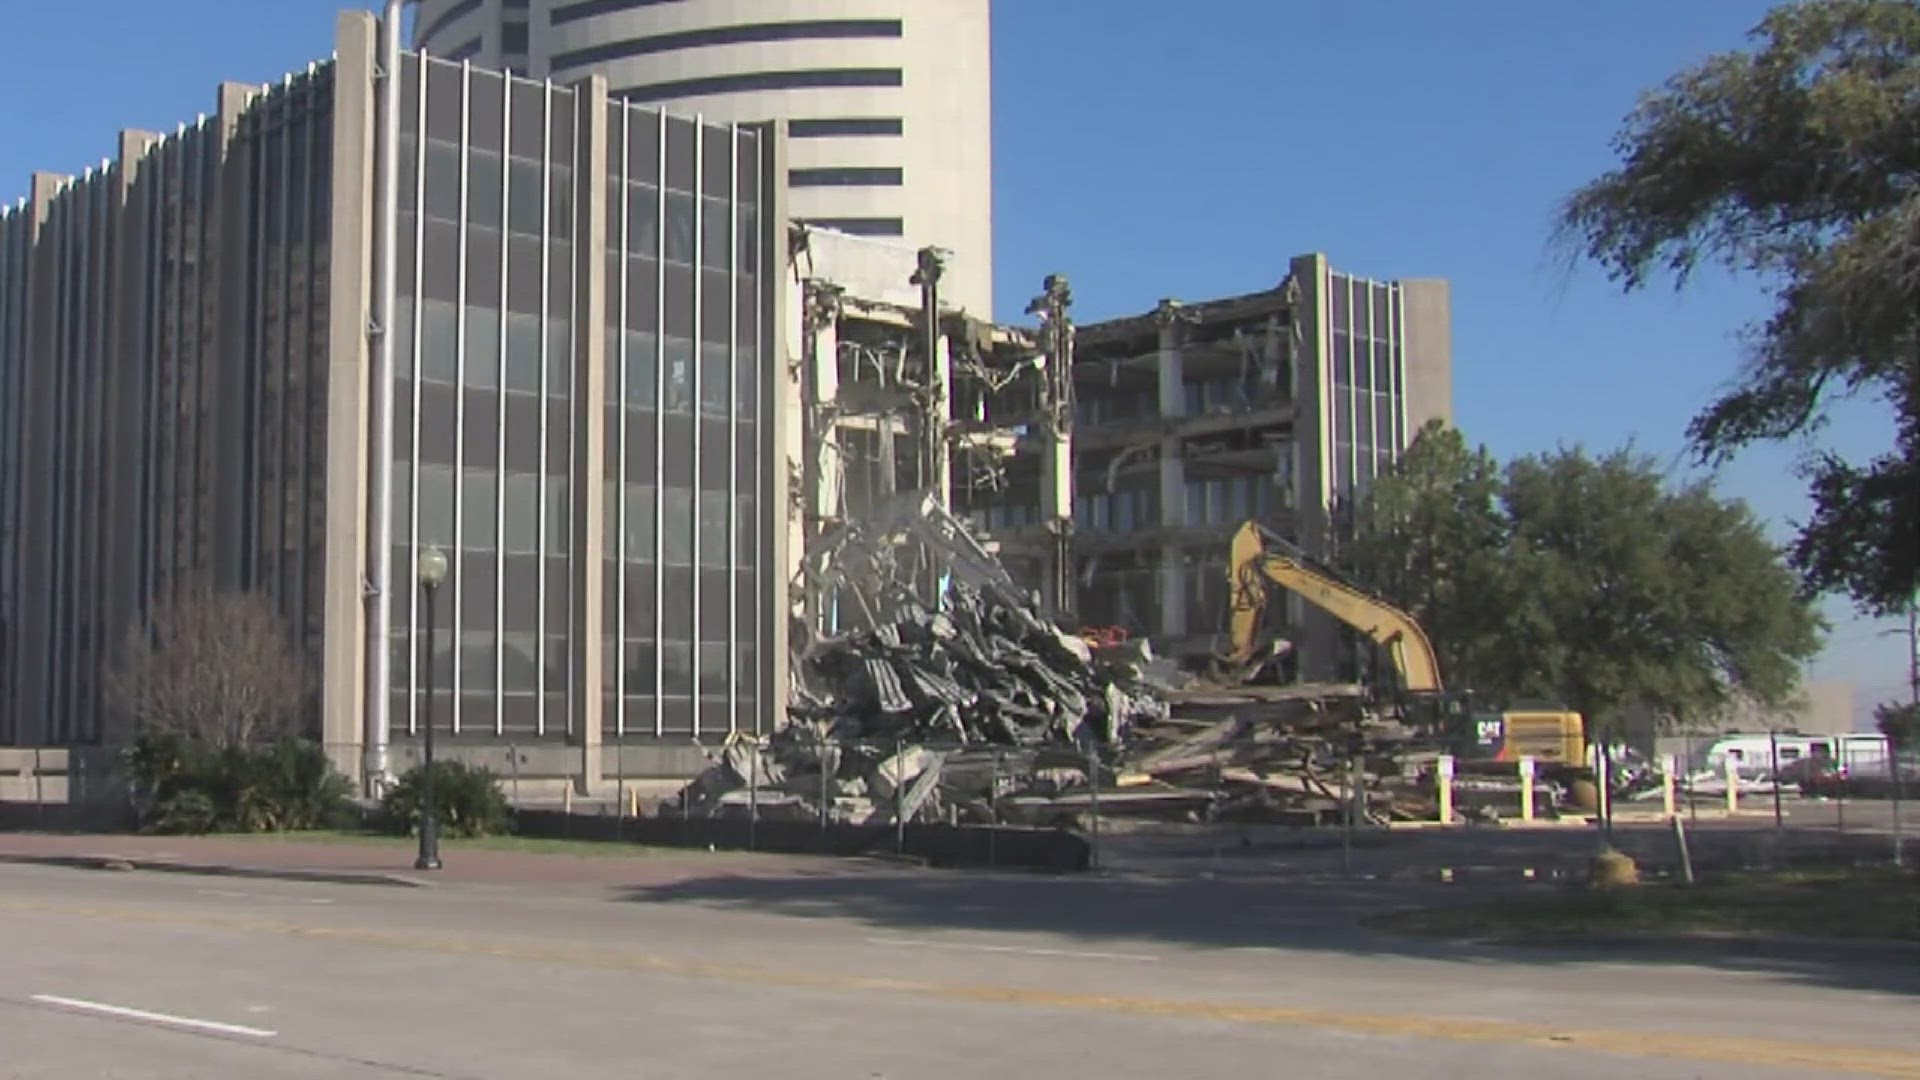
<point x="716" y="235"/>
<point x="439" y="325"/>
<point x="519" y="665"/>
<point x="478" y="650"/>
<point x="486" y="186"/>
<point x="749" y="238"/>
<point x="677" y="527"/>
<point x="559" y="358"/>
<point x="642" y="371"/>
<point x="640" y="523"/>
<point x="716" y="383"/>
<point x="643" y="222"/>
<point x="680" y="228"/>
<point x="524" y="197"/>
<point x="479" y="509"/>
<point x="523" y="352"/>
<point x="401" y="329"/>
<point x="443" y="180"/>
<point x="486" y="109"/>
<point x="521" y="511"/>
<point x="559" y="524"/>
<point x="558" y="659"/>
<point x="679" y="363"/>
<point x="713" y="528"/>
<point x="436" y="506"/>
<point x="483" y="347"/>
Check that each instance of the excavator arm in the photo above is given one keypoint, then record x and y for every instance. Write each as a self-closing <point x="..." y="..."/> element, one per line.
<point x="1260" y="559"/>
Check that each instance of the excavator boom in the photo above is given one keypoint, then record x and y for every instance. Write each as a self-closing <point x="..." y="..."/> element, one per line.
<point x="1260" y="559"/>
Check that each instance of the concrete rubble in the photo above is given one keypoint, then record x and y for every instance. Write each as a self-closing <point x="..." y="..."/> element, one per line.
<point x="986" y="711"/>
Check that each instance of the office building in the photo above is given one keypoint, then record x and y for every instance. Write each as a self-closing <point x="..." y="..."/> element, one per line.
<point x="583" y="353"/>
<point x="888" y="102"/>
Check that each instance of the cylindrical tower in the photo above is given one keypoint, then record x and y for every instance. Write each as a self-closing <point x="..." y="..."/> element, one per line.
<point x="887" y="103"/>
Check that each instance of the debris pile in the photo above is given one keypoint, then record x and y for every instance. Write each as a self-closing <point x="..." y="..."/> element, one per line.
<point x="985" y="711"/>
<point x="980" y="671"/>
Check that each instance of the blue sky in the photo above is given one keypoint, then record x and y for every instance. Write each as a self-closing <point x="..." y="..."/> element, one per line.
<point x="1148" y="157"/>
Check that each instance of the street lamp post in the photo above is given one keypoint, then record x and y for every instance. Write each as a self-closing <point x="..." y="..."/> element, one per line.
<point x="433" y="571"/>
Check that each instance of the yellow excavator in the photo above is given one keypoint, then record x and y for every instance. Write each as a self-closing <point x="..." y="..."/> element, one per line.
<point x="1476" y="733"/>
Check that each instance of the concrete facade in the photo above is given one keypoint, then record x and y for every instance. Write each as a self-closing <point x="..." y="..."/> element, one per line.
<point x="584" y="353"/>
<point x="888" y="103"/>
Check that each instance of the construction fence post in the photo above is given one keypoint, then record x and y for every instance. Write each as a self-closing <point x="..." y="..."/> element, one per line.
<point x="1093" y="795"/>
<point x="1733" y="786"/>
<point x="826" y="784"/>
<point x="1899" y="826"/>
<point x="753" y="798"/>
<point x="1668" y="807"/>
<point x="620" y="792"/>
<point x="1526" y="790"/>
<point x="899" y="797"/>
<point x="993" y="812"/>
<point x="1443" y="781"/>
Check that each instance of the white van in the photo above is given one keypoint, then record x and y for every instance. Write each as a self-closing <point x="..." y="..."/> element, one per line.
<point x="1753" y="755"/>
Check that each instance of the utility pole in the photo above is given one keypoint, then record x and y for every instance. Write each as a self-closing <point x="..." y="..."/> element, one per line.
<point x="1913" y="652"/>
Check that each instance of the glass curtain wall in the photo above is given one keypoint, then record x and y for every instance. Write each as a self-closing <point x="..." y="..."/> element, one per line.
<point x="1369" y="382"/>
<point x="484" y="407"/>
<point x="682" y="565"/>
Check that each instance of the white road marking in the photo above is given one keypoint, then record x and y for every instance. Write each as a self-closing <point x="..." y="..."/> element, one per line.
<point x="125" y="1013"/>
<point x="1015" y="949"/>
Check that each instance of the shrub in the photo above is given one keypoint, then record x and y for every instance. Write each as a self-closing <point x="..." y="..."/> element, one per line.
<point x="468" y="799"/>
<point x="183" y="785"/>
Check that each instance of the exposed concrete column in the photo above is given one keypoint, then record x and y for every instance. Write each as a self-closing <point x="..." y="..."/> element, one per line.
<point x="942" y="418"/>
<point x="343" y="645"/>
<point x="125" y="387"/>
<point x="778" y="505"/>
<point x="810" y="436"/>
<point x="35" y="644"/>
<point x="1318" y="634"/>
<point x="1173" y="474"/>
<point x="589" y="631"/>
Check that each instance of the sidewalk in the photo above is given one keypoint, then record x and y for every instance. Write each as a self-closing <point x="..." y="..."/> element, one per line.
<point x="383" y="863"/>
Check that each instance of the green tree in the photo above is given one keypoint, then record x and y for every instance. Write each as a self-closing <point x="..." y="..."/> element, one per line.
<point x="1900" y="723"/>
<point x="1798" y="161"/>
<point x="1584" y="579"/>
<point x="1432" y="536"/>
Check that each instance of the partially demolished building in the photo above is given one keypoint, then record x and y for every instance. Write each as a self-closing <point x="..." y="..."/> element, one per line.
<point x="1104" y="464"/>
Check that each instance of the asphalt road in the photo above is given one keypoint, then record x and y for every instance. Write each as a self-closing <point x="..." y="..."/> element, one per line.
<point x="895" y="975"/>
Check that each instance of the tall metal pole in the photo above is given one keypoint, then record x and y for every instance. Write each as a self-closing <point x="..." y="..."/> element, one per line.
<point x="429" y="802"/>
<point x="386" y="193"/>
<point x="1893" y="752"/>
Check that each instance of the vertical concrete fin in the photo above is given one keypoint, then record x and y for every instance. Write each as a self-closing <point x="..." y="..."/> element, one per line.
<point x="1427" y="345"/>
<point x="343" y="612"/>
<point x="589" y="435"/>
<point x="35" y="655"/>
<point x="777" y="507"/>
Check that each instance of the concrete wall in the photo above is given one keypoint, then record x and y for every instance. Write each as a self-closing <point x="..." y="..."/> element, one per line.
<point x="1427" y="306"/>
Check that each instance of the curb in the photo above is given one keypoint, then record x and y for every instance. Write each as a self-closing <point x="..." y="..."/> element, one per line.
<point x="1753" y="946"/>
<point x="168" y="866"/>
